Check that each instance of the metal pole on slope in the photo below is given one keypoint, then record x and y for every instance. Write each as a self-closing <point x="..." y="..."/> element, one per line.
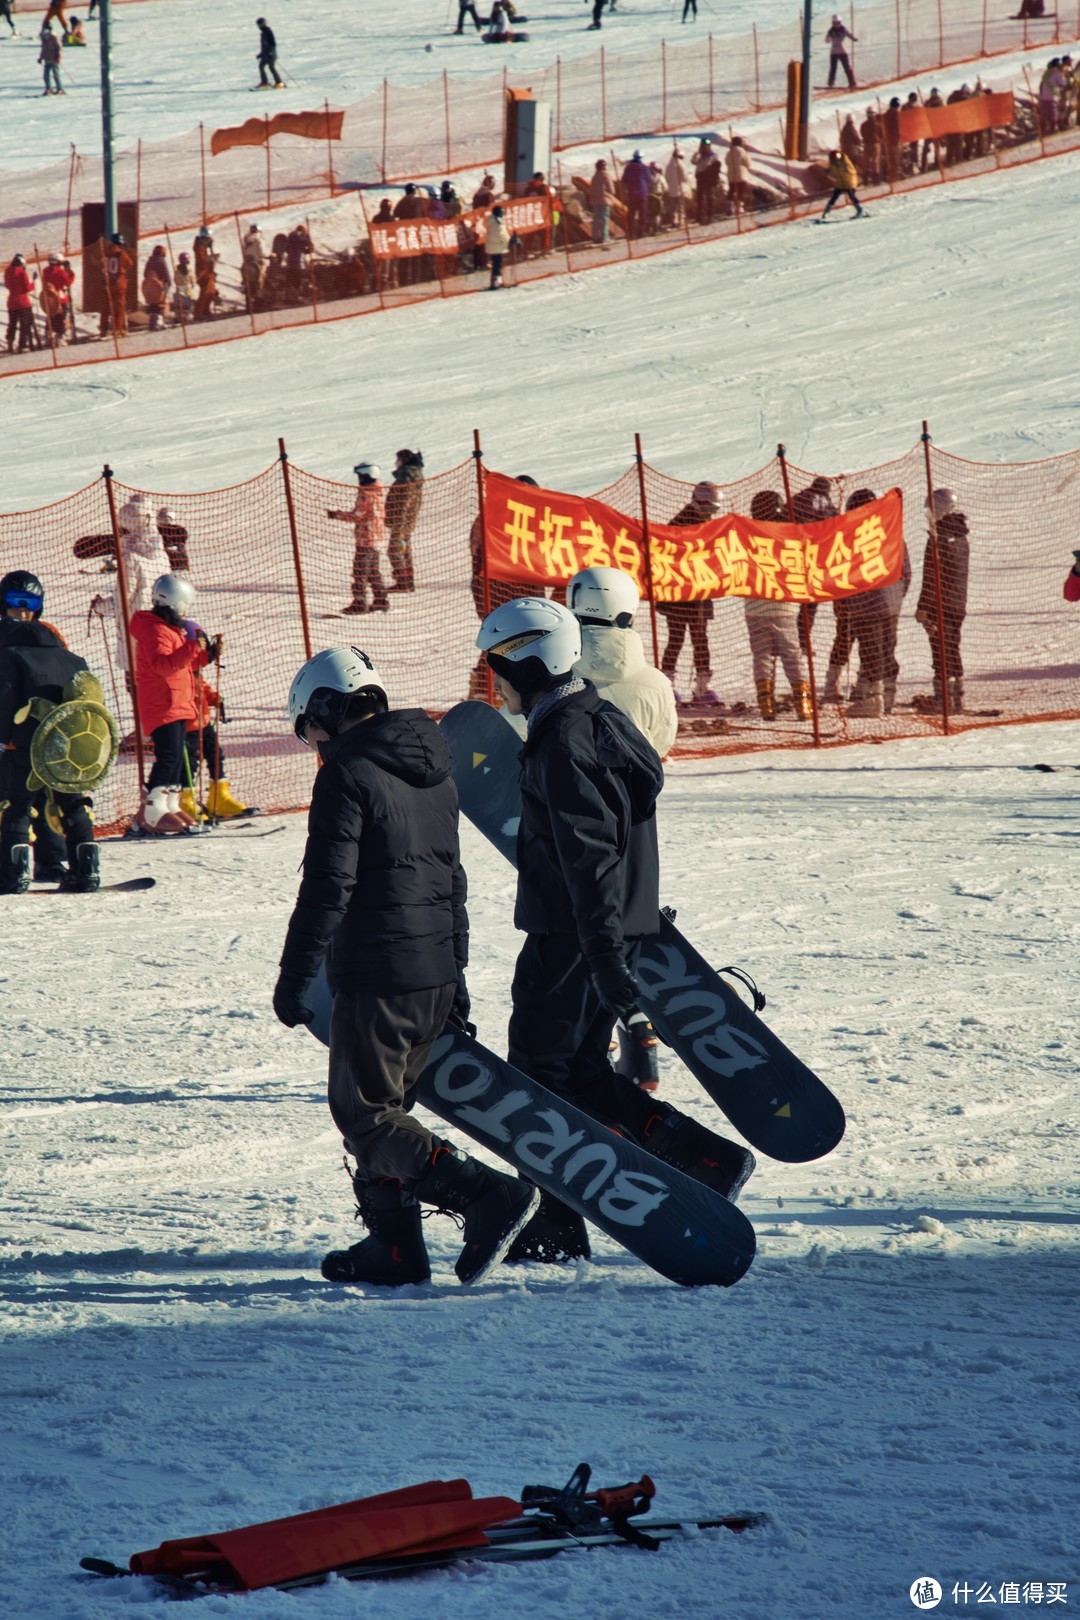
<point x="105" y="37"/>
<point x="804" y="611"/>
<point x="804" y="86"/>
<point x="647" y="539"/>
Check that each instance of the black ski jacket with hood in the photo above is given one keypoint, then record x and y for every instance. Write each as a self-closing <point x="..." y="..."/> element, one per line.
<point x="33" y="663"/>
<point x="588" y="863"/>
<point x="383" y="891"/>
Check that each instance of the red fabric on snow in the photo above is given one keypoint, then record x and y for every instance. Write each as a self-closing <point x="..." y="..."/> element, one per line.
<point x="438" y="1515"/>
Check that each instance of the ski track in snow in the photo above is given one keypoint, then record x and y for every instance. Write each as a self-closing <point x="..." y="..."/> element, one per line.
<point x="890" y="1382"/>
<point x="895" y="1380"/>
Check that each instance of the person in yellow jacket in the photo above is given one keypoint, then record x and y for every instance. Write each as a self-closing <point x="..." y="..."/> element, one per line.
<point x="844" y="176"/>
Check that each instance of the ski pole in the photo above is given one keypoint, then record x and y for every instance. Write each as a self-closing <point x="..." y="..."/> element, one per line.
<point x="217" y="734"/>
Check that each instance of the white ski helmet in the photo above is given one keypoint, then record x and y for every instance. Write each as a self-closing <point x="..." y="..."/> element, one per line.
<point x="603" y="596"/>
<point x="173" y="591"/>
<point x="531" y="642"/>
<point x="366" y="471"/>
<point x="322" y="689"/>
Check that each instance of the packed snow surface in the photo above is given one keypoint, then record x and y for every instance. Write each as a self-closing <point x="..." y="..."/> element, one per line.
<point x="894" y="1382"/>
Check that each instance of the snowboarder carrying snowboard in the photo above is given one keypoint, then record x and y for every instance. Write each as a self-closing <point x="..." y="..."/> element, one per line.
<point x="588" y="891"/>
<point x="383" y="901"/>
<point x="34" y="662"/>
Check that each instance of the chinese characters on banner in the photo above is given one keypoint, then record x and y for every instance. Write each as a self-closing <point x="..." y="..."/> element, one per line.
<point x="537" y="534"/>
<point x="407" y="238"/>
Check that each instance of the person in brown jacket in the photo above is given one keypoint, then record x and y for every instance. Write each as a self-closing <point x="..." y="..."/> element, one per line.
<point x="602" y="196"/>
<point x="403" y="500"/>
<point x="117" y="265"/>
<point x="945" y="567"/>
<point x="873" y="139"/>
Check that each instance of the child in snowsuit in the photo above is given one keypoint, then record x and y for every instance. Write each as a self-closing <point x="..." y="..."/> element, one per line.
<point x="168" y="648"/>
<point x="382" y="905"/>
<point x="369" y="530"/>
<point x="57" y="280"/>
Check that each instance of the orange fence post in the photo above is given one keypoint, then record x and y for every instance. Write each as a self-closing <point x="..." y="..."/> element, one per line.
<point x="558" y="104"/>
<point x="446" y="114"/>
<point x="648" y="549"/>
<point x="898" y="72"/>
<point x="67" y="207"/>
<point x="376" y="264"/>
<point x="266" y="143"/>
<point x="603" y="96"/>
<point x="295" y="538"/>
<point x="385" y="116"/>
<point x="757" y="72"/>
<point x="125" y="609"/>
<point x="663" y="84"/>
<point x="329" y="144"/>
<point x="478" y="457"/>
<point x="938" y="601"/>
<point x="311" y="272"/>
<point x="711" y="115"/>
<point x="138" y="173"/>
<point x="804" y="611"/>
<point x="202" y="170"/>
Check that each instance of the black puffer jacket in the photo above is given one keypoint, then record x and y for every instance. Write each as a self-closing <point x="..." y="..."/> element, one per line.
<point x="587" y="854"/>
<point x="383" y="888"/>
<point x="33" y="663"/>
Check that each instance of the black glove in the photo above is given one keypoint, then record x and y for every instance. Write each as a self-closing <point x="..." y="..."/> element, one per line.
<point x="290" y="1000"/>
<point x="458" y="1016"/>
<point x="615" y="985"/>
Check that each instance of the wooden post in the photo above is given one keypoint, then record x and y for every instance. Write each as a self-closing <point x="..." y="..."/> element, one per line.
<point x="603" y="96"/>
<point x="648" y="548"/>
<point x="479" y="460"/>
<point x="982" y="47"/>
<point x="125" y="609"/>
<point x="558" y="104"/>
<point x="710" y="80"/>
<point x="202" y="170"/>
<point x="804" y="611"/>
<point x="375" y="263"/>
<point x="446" y="113"/>
<point x="940" y="36"/>
<point x="564" y="218"/>
<point x="290" y="508"/>
<point x="329" y="144"/>
<point x="899" y="74"/>
<point x="931" y="515"/>
<point x="67" y="209"/>
<point x="138" y="173"/>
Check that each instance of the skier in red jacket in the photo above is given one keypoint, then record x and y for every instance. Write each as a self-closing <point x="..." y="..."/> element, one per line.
<point x="166" y="653"/>
<point x="20" y="285"/>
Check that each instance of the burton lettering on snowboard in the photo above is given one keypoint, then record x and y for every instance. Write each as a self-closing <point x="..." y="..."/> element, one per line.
<point x="677" y="1226"/>
<point x="779" y="1105"/>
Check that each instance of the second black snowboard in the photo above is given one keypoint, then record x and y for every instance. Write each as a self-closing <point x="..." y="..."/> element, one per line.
<point x="779" y="1105"/>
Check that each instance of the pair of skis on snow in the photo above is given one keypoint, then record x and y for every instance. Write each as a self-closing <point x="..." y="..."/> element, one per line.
<point x="676" y="1225"/>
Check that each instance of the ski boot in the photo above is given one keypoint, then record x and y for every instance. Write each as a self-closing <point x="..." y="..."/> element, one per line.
<point x="220" y="802"/>
<point x="495" y="1206"/>
<point x="394" y="1254"/>
<point x="637" y="1052"/>
<point x="15" y="870"/>
<point x="870" y="704"/>
<point x="766" y="700"/>
<point x="678" y="1140"/>
<point x="190" y="805"/>
<point x="154" y="815"/>
<point x="555" y="1235"/>
<point x="84" y="876"/>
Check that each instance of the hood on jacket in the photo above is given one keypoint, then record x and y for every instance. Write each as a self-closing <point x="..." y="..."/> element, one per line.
<point x="402" y="742"/>
<point x="609" y="654"/>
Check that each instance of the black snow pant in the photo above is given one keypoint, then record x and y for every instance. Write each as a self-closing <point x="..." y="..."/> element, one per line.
<point x="560" y="1032"/>
<point x="212" y="752"/>
<point x="5" y="14"/>
<point x="688" y="7"/>
<point x="466" y="8"/>
<point x="598" y="12"/>
<point x="15" y="823"/>
<point x="378" y="1048"/>
<point x="168" y="766"/>
<point x="950" y="634"/>
<point x="840" y="59"/>
<point x="271" y="63"/>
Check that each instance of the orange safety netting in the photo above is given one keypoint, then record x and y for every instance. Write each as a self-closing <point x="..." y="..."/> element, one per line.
<point x="274" y="572"/>
<point x="449" y="124"/>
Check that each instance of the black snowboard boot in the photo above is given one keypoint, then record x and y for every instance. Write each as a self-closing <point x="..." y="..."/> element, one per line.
<point x="555" y="1235"/>
<point x="680" y="1141"/>
<point x="495" y="1206"/>
<point x="394" y="1254"/>
<point x="15" y="869"/>
<point x="84" y="876"/>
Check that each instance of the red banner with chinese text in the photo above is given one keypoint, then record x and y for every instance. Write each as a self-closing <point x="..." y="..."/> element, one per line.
<point x="407" y="238"/>
<point x="539" y="534"/>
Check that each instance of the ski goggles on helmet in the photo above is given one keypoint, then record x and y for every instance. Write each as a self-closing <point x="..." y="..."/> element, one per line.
<point x="24" y="599"/>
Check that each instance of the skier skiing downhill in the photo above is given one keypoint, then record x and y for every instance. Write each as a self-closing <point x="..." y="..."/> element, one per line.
<point x="588" y="891"/>
<point x="604" y="601"/>
<point x="267" y="57"/>
<point x="382" y="901"/>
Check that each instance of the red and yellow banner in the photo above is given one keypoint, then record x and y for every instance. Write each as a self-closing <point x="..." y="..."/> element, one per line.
<point x="539" y="534"/>
<point x="995" y="111"/>
<point x="406" y="238"/>
<point x="323" y="125"/>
